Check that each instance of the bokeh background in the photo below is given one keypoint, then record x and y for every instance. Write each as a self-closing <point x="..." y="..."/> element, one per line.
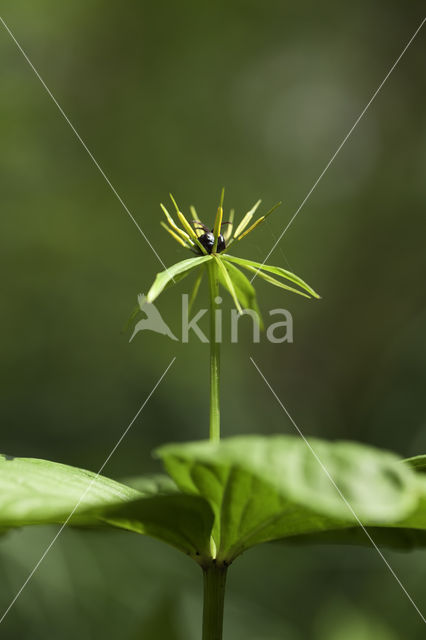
<point x="186" y="97"/>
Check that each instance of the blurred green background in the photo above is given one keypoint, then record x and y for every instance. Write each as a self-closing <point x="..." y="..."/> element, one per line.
<point x="187" y="97"/>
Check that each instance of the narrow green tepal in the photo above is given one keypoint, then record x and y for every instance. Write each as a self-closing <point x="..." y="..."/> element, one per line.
<point x="222" y="197"/>
<point x="242" y="231"/>
<point x="272" y="209"/>
<point x="229" y="226"/>
<point x="246" y="220"/>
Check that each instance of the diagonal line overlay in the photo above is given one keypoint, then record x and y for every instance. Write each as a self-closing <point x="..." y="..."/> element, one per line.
<point x="84" y="145"/>
<point x="345" y="139"/>
<point x="83" y="495"/>
<point x="333" y="482"/>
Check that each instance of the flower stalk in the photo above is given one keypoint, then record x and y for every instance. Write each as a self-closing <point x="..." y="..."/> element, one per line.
<point x="211" y="249"/>
<point x="214" y="353"/>
<point x="210" y="246"/>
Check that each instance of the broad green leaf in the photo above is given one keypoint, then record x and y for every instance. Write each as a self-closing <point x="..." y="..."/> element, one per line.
<point x="151" y="484"/>
<point x="183" y="521"/>
<point x="417" y="518"/>
<point x="418" y="463"/>
<point x="405" y="534"/>
<point x="243" y="288"/>
<point x="278" y="271"/>
<point x="266" y="488"/>
<point x="173" y="274"/>
<point x="398" y="538"/>
<point x="36" y="491"/>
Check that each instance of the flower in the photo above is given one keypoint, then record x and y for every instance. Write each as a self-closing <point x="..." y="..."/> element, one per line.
<point x="213" y="245"/>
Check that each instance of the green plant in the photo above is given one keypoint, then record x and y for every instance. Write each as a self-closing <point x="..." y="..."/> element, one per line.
<point x="221" y="497"/>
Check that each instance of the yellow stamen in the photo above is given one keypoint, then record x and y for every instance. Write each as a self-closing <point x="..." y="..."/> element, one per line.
<point x="175" y="235"/>
<point x="184" y="222"/>
<point x="174" y="226"/>
<point x="253" y="226"/>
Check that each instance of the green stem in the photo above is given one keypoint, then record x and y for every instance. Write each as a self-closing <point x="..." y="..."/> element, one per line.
<point x="214" y="598"/>
<point x="214" y="355"/>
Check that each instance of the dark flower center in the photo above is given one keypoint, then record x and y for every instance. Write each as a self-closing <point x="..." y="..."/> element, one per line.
<point x="207" y="240"/>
